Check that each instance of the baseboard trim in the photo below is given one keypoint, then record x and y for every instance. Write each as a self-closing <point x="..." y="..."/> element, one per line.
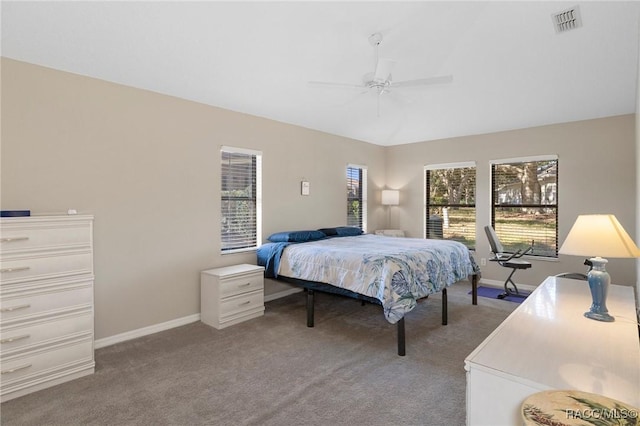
<point x="500" y="284"/>
<point x="281" y="294"/>
<point x="145" y="331"/>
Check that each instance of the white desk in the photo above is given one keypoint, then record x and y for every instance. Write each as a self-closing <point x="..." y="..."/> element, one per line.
<point x="547" y="343"/>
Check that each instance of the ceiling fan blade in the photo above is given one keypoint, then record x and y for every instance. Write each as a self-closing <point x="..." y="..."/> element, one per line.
<point x="336" y="85"/>
<point x="443" y="79"/>
<point x="383" y="69"/>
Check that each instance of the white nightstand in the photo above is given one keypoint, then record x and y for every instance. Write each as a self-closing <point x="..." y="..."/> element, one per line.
<point x="391" y="232"/>
<point x="231" y="294"/>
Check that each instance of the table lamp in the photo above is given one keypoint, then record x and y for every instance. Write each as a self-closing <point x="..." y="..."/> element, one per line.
<point x="600" y="235"/>
<point x="390" y="197"/>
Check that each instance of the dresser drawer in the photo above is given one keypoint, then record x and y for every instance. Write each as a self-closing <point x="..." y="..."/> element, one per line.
<point x="15" y="237"/>
<point x="16" y="338"/>
<point x="241" y="303"/>
<point x="18" y="308"/>
<point x="58" y="357"/>
<point x="25" y="268"/>
<point x="241" y="284"/>
<point x="46" y="302"/>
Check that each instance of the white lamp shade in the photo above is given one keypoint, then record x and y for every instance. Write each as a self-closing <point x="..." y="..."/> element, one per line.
<point x="599" y="235"/>
<point x="390" y="197"/>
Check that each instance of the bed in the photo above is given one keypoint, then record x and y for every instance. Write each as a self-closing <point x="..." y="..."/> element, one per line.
<point x="391" y="272"/>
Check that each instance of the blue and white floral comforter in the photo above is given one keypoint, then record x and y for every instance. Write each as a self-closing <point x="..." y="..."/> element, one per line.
<point x="396" y="271"/>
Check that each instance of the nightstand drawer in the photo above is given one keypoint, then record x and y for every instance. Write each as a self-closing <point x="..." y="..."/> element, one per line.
<point x="242" y="284"/>
<point x="38" y="304"/>
<point x="19" y="269"/>
<point x="15" y="338"/>
<point x="241" y="303"/>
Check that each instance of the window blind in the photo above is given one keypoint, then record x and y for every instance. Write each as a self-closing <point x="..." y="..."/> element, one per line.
<point x="450" y="202"/>
<point x="240" y="199"/>
<point x="357" y="196"/>
<point x="525" y="204"/>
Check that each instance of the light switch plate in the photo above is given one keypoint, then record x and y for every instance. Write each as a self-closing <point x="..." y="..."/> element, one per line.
<point x="304" y="187"/>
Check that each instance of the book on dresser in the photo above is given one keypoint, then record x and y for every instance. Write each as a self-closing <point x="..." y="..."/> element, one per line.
<point x="46" y="302"/>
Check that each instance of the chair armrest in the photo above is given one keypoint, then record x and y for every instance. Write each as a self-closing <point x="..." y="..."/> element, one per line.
<point x="506" y="259"/>
<point x="521" y="253"/>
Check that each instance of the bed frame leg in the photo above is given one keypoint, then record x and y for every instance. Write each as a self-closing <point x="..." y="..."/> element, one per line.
<point x="309" y="308"/>
<point x="445" y="307"/>
<point x="401" y="345"/>
<point x="474" y="289"/>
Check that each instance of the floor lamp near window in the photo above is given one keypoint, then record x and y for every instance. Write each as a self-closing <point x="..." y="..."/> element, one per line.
<point x="390" y="197"/>
<point x="599" y="235"/>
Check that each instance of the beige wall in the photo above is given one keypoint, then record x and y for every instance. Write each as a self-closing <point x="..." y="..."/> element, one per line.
<point x="637" y="236"/>
<point x="596" y="175"/>
<point x="147" y="167"/>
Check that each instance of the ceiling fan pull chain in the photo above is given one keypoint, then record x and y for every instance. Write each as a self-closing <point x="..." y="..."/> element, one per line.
<point x="374" y="40"/>
<point x="375" y="59"/>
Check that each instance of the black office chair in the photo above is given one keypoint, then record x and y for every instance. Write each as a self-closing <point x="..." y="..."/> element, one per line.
<point x="508" y="261"/>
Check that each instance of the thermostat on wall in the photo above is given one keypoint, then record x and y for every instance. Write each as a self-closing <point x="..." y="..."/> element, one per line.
<point x="305" y="187"/>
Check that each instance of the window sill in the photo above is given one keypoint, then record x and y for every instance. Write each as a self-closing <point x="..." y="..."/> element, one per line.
<point x="542" y="258"/>
<point x="239" y="251"/>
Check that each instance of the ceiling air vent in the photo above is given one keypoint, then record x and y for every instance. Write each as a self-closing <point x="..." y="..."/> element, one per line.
<point x="567" y="20"/>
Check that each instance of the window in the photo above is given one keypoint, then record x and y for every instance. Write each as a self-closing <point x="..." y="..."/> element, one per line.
<point x="357" y="196"/>
<point x="525" y="204"/>
<point x="240" y="199"/>
<point x="450" y="202"/>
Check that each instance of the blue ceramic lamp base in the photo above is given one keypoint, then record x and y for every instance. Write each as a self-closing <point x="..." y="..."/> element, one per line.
<point x="599" y="280"/>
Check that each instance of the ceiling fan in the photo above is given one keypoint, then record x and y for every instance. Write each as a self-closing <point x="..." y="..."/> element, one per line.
<point x="380" y="79"/>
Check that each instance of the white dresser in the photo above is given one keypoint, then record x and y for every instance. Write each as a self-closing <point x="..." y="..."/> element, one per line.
<point x="46" y="302"/>
<point x="231" y="294"/>
<point x="547" y="343"/>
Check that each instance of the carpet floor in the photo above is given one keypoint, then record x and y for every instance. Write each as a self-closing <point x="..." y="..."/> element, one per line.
<point x="273" y="370"/>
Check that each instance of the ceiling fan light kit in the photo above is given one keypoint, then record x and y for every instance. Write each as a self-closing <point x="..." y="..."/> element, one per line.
<point x="375" y="39"/>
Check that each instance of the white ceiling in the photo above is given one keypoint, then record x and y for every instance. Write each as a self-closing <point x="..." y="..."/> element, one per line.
<point x="510" y="69"/>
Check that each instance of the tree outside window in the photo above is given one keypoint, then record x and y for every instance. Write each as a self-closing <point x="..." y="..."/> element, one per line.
<point x="357" y="196"/>
<point x="525" y="204"/>
<point x="450" y="194"/>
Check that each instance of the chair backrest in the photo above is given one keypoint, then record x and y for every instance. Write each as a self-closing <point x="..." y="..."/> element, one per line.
<point x="494" y="242"/>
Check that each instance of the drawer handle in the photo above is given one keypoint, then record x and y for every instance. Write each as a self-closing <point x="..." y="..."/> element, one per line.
<point x="244" y="285"/>
<point x="14" y="369"/>
<point x="16" y="338"/>
<point x="245" y="303"/>
<point x="16" y="269"/>
<point x="15" y="308"/>
<point x="13" y="239"/>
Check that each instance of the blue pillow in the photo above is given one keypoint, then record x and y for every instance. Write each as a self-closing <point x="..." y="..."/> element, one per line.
<point x="348" y="231"/>
<point x="295" y="236"/>
<point x="329" y="232"/>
